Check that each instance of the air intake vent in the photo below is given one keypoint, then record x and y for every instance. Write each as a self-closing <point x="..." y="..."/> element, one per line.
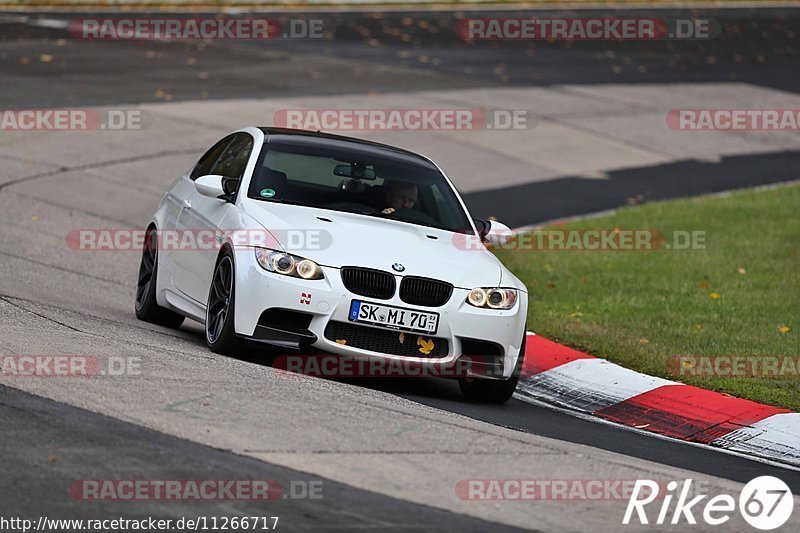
<point x="384" y="341"/>
<point x="368" y="282"/>
<point x="425" y="292"/>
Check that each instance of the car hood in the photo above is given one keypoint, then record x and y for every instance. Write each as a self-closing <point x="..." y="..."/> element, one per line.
<point x="347" y="239"/>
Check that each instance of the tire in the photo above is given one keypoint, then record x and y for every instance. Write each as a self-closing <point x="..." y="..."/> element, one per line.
<point x="147" y="307"/>
<point x="494" y="391"/>
<point x="219" y="327"/>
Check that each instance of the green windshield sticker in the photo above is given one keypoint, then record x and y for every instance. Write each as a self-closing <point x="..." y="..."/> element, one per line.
<point x="267" y="193"/>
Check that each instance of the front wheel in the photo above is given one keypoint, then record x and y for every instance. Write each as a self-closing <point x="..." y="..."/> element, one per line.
<point x="494" y="391"/>
<point x="220" y="334"/>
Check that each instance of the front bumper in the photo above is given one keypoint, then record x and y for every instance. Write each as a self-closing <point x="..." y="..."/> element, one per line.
<point x="328" y="300"/>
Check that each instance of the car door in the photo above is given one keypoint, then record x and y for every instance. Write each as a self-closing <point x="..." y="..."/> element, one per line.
<point x="178" y="198"/>
<point x="203" y="216"/>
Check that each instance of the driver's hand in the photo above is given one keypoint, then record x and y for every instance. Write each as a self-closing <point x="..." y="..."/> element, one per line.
<point x="388" y="211"/>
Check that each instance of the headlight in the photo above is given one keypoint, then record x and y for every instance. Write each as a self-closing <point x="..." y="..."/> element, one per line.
<point x="307" y="269"/>
<point x="477" y="297"/>
<point x="493" y="298"/>
<point x="287" y="264"/>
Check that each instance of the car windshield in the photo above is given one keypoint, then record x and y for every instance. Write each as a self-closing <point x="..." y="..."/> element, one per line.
<point x="355" y="182"/>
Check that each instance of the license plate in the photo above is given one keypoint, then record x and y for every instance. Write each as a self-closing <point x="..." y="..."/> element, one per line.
<point x="394" y="317"/>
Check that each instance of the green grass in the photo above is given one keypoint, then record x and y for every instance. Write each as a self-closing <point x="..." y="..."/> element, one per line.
<point x="640" y="308"/>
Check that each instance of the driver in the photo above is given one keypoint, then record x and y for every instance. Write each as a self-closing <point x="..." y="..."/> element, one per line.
<point x="400" y="195"/>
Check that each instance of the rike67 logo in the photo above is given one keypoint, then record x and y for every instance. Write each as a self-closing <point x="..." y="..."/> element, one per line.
<point x="765" y="503"/>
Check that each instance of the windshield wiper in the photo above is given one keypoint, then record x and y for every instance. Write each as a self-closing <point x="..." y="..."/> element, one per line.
<point x="282" y="201"/>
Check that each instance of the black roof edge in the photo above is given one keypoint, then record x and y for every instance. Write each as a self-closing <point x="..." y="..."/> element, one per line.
<point x="270" y="130"/>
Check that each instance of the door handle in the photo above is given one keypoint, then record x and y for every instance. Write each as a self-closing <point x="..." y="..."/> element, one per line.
<point x="187" y="204"/>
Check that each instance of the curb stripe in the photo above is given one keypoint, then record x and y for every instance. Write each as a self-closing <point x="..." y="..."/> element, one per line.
<point x="688" y="413"/>
<point x="564" y="376"/>
<point x="776" y="437"/>
<point x="590" y="384"/>
<point x="543" y="354"/>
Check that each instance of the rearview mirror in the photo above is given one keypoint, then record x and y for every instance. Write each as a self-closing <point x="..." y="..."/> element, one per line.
<point x="210" y="185"/>
<point x="357" y="171"/>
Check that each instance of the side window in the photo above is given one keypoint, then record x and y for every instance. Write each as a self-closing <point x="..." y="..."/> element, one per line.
<point x="233" y="161"/>
<point x="206" y="163"/>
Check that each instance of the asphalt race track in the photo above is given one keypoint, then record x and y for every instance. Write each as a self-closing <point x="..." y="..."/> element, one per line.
<point x="389" y="453"/>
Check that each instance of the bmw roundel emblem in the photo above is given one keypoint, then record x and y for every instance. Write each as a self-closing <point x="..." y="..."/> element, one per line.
<point x="398" y="267"/>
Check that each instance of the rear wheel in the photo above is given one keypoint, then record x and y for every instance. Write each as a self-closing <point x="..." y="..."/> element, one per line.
<point x="147" y="307"/>
<point x="494" y="391"/>
<point x="220" y="334"/>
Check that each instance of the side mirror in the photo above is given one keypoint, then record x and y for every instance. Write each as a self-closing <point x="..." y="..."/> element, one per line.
<point x="210" y="185"/>
<point x="494" y="233"/>
<point x="482" y="226"/>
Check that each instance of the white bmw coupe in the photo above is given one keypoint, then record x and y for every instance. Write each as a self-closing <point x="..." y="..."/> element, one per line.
<point x="297" y="239"/>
